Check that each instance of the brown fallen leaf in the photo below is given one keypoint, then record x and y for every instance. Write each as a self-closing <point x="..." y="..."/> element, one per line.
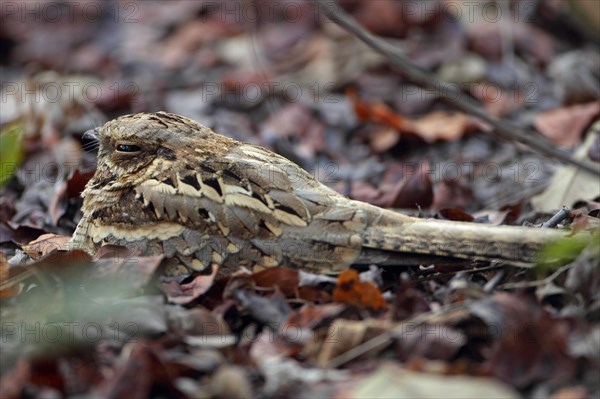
<point x="46" y="244"/>
<point x="382" y="140"/>
<point x="11" y="290"/>
<point x="513" y="211"/>
<point x="285" y="279"/>
<point x="18" y="233"/>
<point x="564" y="126"/>
<point x="531" y="346"/>
<point x="58" y="202"/>
<point x="569" y="184"/>
<point x="140" y="372"/>
<point x="451" y="194"/>
<point x="455" y="214"/>
<point x="77" y="181"/>
<point x="182" y="294"/>
<point x="344" y="335"/>
<point x="415" y="191"/>
<point x="439" y="125"/>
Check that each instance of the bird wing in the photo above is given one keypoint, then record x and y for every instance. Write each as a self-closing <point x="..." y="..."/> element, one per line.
<point x="259" y="206"/>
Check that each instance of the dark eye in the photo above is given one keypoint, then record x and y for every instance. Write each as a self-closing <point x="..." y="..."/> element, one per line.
<point x="128" y="148"/>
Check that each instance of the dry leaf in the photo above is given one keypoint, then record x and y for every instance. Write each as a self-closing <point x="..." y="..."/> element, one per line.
<point x="286" y="280"/>
<point x="378" y="112"/>
<point x="440" y="125"/>
<point x="349" y="289"/>
<point x="569" y="184"/>
<point x="532" y="345"/>
<point x="415" y="191"/>
<point x="343" y="335"/>
<point x="186" y="293"/>
<point x="455" y="214"/>
<point x="46" y="244"/>
<point x="382" y="140"/>
<point x="392" y="381"/>
<point x="11" y="290"/>
<point x="564" y="126"/>
<point x="58" y="202"/>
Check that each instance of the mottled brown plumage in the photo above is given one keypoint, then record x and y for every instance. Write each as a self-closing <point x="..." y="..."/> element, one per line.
<point x="168" y="185"/>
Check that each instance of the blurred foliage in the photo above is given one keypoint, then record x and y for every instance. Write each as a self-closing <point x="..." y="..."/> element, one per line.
<point x="11" y="150"/>
<point x="559" y="253"/>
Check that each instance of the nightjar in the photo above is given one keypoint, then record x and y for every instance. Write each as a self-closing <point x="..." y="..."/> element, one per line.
<point x="166" y="184"/>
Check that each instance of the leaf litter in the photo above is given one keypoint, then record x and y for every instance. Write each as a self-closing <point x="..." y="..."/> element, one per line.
<point x="113" y="326"/>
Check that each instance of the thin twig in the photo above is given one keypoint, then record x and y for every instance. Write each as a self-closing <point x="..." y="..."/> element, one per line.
<point x="557" y="218"/>
<point x="448" y="92"/>
<point x="473" y="270"/>
<point x="536" y="283"/>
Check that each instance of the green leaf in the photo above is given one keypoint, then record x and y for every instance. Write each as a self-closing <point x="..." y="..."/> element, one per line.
<point x="554" y="255"/>
<point x="11" y="150"/>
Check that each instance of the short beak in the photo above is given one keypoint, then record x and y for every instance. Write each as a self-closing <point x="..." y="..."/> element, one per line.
<point x="91" y="134"/>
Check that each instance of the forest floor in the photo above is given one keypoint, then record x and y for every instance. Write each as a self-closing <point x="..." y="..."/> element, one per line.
<point x="281" y="75"/>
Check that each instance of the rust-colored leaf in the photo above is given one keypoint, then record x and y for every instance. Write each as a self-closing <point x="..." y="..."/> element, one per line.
<point x="349" y="289"/>
<point x="438" y="125"/>
<point x="378" y="112"/>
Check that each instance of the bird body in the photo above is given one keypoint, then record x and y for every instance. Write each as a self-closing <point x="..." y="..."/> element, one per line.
<point x="166" y="184"/>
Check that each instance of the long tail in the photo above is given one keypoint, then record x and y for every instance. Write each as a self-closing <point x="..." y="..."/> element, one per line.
<point x="461" y="240"/>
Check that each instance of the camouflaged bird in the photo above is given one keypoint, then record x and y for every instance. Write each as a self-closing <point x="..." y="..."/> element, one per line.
<point x="168" y="185"/>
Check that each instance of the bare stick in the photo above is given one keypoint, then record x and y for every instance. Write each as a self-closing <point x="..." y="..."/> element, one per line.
<point x="447" y="91"/>
<point x="557" y="218"/>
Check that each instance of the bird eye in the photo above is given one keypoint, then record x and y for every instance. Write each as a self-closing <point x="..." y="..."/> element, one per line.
<point x="128" y="148"/>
